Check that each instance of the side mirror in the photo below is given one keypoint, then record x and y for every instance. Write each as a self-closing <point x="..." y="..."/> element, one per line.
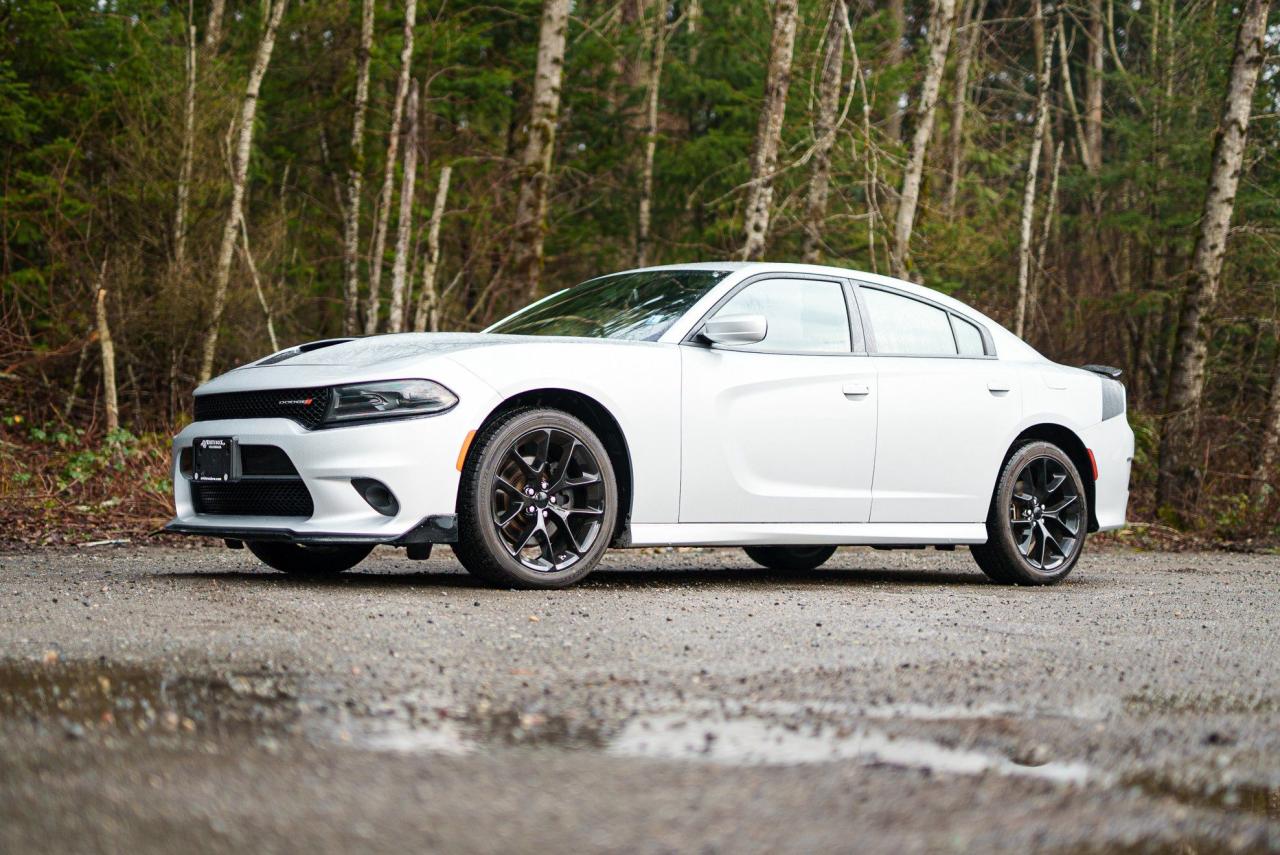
<point x="736" y="329"/>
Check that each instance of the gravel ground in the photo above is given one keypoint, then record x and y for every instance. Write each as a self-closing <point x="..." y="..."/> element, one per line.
<point x="160" y="699"/>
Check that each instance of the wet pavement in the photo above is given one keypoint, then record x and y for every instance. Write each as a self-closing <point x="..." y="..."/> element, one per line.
<point x="158" y="699"/>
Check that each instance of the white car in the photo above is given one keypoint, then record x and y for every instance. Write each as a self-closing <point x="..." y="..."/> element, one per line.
<point x="785" y="408"/>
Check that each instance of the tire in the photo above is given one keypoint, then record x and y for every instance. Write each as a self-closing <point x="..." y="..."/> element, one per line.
<point x="1038" y="519"/>
<point x="516" y="532"/>
<point x="298" y="559"/>
<point x="794" y="558"/>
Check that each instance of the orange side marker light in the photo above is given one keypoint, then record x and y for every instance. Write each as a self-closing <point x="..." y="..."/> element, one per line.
<point x="466" y="446"/>
<point x="1092" y="460"/>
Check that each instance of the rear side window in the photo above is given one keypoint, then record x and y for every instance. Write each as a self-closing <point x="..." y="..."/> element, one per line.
<point x="968" y="337"/>
<point x="909" y="327"/>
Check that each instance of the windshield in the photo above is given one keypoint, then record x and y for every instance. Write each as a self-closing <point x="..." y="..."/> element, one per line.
<point x="632" y="306"/>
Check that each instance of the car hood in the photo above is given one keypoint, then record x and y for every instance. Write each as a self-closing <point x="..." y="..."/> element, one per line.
<point x="383" y="357"/>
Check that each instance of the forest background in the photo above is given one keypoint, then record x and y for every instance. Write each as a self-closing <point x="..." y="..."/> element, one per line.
<point x="186" y="187"/>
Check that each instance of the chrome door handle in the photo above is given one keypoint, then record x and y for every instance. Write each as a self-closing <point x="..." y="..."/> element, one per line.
<point x="999" y="386"/>
<point x="856" y="390"/>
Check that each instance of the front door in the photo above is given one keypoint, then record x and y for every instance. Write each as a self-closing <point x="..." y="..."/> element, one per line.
<point x="783" y="430"/>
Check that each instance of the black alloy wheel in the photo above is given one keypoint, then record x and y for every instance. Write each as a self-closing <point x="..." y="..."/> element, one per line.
<point x="538" y="501"/>
<point x="1038" y="520"/>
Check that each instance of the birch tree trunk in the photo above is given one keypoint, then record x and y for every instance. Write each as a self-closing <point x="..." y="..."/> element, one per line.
<point x="894" y="57"/>
<point x="213" y="29"/>
<point x="1093" y="89"/>
<point x="396" y="319"/>
<point x="1029" y="186"/>
<point x="109" y="396"/>
<point x="644" y="216"/>
<point x="1264" y="475"/>
<point x="355" y="178"/>
<point x="188" y="154"/>
<point x="824" y="131"/>
<point x="695" y="21"/>
<point x="941" y="22"/>
<point x="383" y="214"/>
<point x="239" y="177"/>
<point x="428" y="314"/>
<point x="247" y="252"/>
<point x="535" y="160"/>
<point x="769" y="130"/>
<point x="960" y="95"/>
<point x="1186" y="383"/>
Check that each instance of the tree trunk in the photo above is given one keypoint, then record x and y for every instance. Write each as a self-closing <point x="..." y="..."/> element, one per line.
<point x="108" y="358"/>
<point x="695" y="20"/>
<point x="187" y="156"/>
<point x="1064" y="68"/>
<point x="769" y="129"/>
<point x="213" y="29"/>
<point x="1093" y="88"/>
<point x="383" y="214"/>
<point x="355" y="178"/>
<point x="960" y="95"/>
<point x="644" y="216"/>
<point x="239" y="177"/>
<point x="941" y="22"/>
<point x="824" y="131"/>
<point x="1264" y="475"/>
<point x="894" y="58"/>
<point x="247" y="252"/>
<point x="1029" y="186"/>
<point x="535" y="160"/>
<point x="428" y="314"/>
<point x="399" y="268"/>
<point x="1186" y="383"/>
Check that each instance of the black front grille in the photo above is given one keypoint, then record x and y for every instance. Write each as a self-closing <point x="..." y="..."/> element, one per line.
<point x="253" y="499"/>
<point x="305" y="406"/>
<point x="266" y="461"/>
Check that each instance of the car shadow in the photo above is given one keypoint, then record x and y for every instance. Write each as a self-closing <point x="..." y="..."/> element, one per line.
<point x="611" y="578"/>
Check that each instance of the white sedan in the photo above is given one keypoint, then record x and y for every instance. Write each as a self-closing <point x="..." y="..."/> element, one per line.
<point x="784" y="408"/>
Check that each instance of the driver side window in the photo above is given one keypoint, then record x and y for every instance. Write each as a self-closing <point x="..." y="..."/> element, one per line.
<point x="804" y="315"/>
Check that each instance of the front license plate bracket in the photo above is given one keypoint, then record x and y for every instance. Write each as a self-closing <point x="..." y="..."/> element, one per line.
<point x="215" y="458"/>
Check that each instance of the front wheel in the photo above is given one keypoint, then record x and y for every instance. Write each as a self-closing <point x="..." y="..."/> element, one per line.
<point x="537" y="502"/>
<point x="1038" y="518"/>
<point x="790" y="558"/>
<point x="298" y="559"/>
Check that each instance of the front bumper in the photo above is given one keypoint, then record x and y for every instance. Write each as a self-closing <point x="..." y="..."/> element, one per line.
<point x="437" y="528"/>
<point x="415" y="458"/>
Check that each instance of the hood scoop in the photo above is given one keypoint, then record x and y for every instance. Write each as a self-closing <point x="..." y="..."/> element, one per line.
<point x="299" y="350"/>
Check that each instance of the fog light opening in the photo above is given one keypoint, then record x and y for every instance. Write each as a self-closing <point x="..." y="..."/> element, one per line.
<point x="377" y="495"/>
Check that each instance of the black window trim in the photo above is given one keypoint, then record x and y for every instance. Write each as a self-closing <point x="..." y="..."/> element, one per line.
<point x="988" y="344"/>
<point x="853" y="313"/>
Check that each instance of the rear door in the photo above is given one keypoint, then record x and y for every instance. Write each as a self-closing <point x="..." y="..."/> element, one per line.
<point x="783" y="430"/>
<point x="947" y="405"/>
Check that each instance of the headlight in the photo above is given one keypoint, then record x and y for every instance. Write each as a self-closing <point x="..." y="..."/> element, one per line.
<point x="388" y="399"/>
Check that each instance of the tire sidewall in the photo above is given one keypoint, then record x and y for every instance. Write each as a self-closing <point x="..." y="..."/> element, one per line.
<point x="999" y="518"/>
<point x="479" y="526"/>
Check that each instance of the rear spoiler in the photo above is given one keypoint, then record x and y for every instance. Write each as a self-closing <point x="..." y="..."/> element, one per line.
<point x="1105" y="370"/>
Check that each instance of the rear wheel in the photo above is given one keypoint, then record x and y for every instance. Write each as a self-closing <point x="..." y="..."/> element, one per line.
<point x="299" y="559"/>
<point x="537" y="502"/>
<point x="1038" y="519"/>
<point x="790" y="557"/>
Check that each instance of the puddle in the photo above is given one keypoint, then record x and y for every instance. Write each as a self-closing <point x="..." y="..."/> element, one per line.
<point x="391" y="729"/>
<point x="755" y="741"/>
<point x="1241" y="797"/>
<point x="102" y="696"/>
